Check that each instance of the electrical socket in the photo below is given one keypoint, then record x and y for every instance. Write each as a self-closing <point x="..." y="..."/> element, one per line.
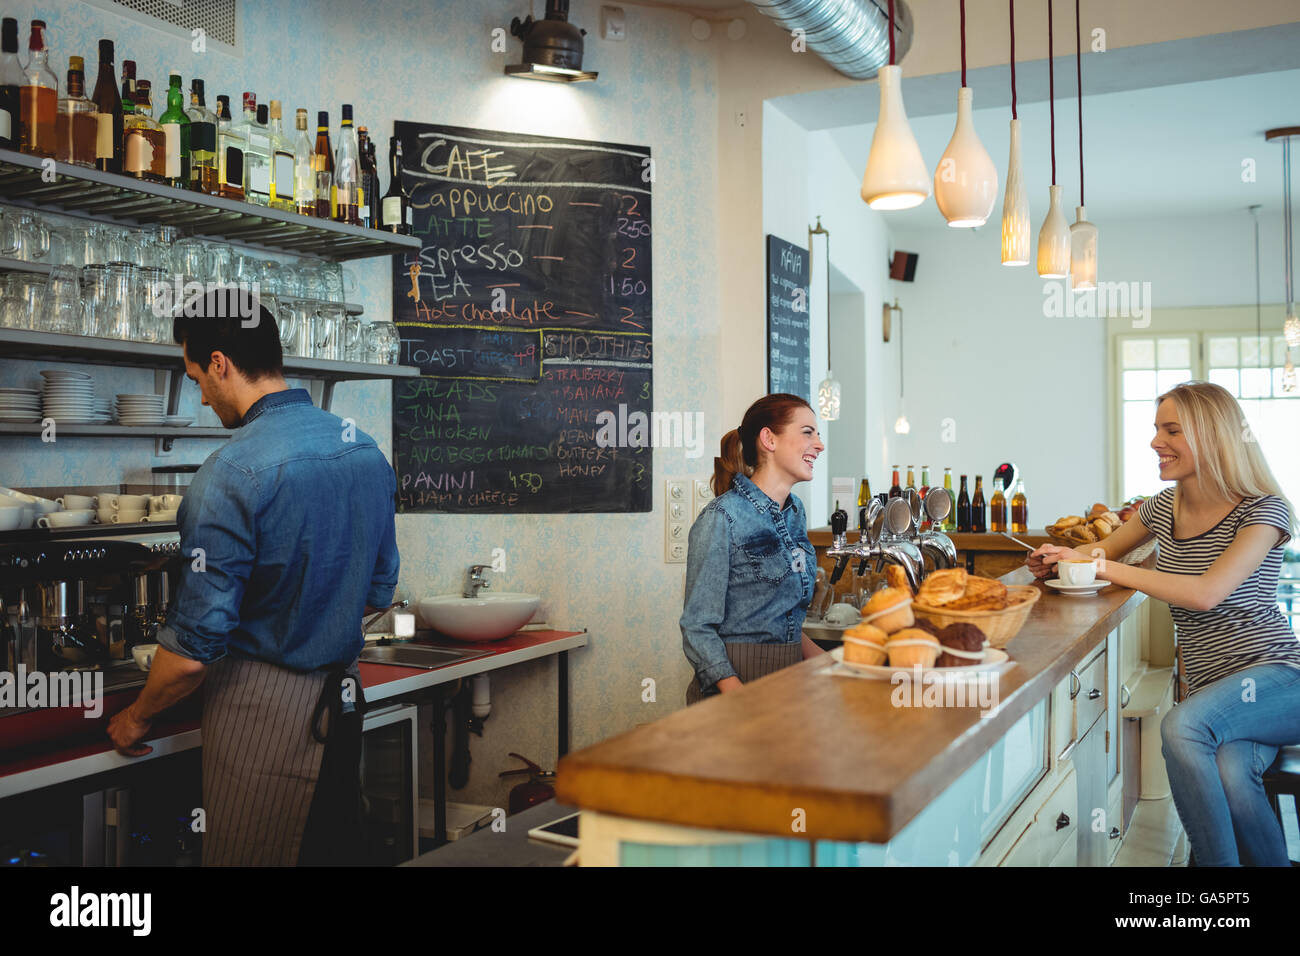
<point x="677" y="519"/>
<point x="702" y="493"/>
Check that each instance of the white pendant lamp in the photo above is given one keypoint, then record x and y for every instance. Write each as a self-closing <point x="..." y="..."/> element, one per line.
<point x="1015" y="203"/>
<point x="965" y="181"/>
<point x="1054" y="236"/>
<point x="1083" y="234"/>
<point x="828" y="392"/>
<point x="896" y="177"/>
<point x="1291" y="325"/>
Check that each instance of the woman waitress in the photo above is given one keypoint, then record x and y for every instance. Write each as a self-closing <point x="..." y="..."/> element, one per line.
<point x="1221" y="530"/>
<point x="750" y="567"/>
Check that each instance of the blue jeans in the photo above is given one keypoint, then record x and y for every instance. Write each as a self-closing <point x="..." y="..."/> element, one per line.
<point x="1217" y="745"/>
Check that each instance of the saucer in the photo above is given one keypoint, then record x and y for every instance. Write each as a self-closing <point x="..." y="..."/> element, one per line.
<point x="1078" y="590"/>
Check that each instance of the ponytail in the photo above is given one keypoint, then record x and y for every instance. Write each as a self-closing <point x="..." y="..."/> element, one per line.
<point x="729" y="463"/>
<point x="739" y="449"/>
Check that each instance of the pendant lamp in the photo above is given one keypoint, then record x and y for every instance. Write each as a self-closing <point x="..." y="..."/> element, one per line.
<point x="1054" y="236"/>
<point x="828" y="392"/>
<point x="896" y="177"/>
<point x="902" y="426"/>
<point x="965" y="181"/>
<point x="1015" y="203"/>
<point x="1083" y="234"/>
<point x="1291" y="326"/>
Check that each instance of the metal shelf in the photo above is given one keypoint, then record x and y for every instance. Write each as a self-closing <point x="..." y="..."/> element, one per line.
<point x="116" y="431"/>
<point x="108" y="196"/>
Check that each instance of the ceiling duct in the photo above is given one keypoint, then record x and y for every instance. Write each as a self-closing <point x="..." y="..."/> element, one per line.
<point x="850" y="35"/>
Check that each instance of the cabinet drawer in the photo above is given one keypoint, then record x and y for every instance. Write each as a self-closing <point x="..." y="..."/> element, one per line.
<point x="1091" y="701"/>
<point x="1024" y="852"/>
<point x="1059" y="817"/>
<point x="1067" y="855"/>
<point x="1063" y="735"/>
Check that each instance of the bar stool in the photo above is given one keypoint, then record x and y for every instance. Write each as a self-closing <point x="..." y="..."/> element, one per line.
<point x="1284" y="777"/>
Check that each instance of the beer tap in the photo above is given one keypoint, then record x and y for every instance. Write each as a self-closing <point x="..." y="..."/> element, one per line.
<point x="933" y="543"/>
<point x="895" y="545"/>
<point x="870" y="519"/>
<point x="839" y="549"/>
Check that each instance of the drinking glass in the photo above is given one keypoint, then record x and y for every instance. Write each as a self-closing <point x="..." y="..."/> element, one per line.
<point x="123" y="297"/>
<point x="353" y="341"/>
<point x="63" y="246"/>
<point x="192" y="260"/>
<point x="61" y="311"/>
<point x="115" y="244"/>
<point x="383" y="343"/>
<point x="25" y="294"/>
<point x="154" y="305"/>
<point x="221" y="263"/>
<point x="272" y="278"/>
<point x="309" y="281"/>
<point x="327" y="331"/>
<point x="24" y="236"/>
<point x="94" y="291"/>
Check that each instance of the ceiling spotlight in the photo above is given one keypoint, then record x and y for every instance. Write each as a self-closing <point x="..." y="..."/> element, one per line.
<point x="552" y="47"/>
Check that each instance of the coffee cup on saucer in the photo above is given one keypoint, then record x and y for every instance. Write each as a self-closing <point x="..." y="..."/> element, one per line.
<point x="1077" y="573"/>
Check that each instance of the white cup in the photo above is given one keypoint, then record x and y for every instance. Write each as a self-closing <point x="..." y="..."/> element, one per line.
<point x="164" y="503"/>
<point x="162" y="517"/>
<point x="128" y="517"/>
<point x="11" y="519"/>
<point x="131" y="502"/>
<point x="29" y="516"/>
<point x="1076" y="573"/>
<point x="76" y="502"/>
<point x="105" y="515"/>
<point x="143" y="654"/>
<point x="65" y="519"/>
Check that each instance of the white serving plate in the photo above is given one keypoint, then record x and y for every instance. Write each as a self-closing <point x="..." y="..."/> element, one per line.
<point x="1077" y="590"/>
<point x="993" y="658"/>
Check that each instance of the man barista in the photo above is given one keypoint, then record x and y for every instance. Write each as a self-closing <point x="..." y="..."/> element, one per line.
<point x="289" y="532"/>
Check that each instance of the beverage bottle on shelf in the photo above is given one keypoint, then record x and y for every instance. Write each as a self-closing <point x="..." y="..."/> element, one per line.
<point x="203" y="143"/>
<point x="281" y="162"/>
<point x="38" y="98"/>
<point x="323" y="163"/>
<point x="230" y="153"/>
<point x="963" y="509"/>
<point x="864" y="493"/>
<point x="998" y="508"/>
<point x="911" y="480"/>
<point x="950" y="522"/>
<point x="394" y="209"/>
<point x="76" y="126"/>
<point x="11" y="80"/>
<point x="176" y="135"/>
<point x="108" y="104"/>
<point x="978" y="514"/>
<point x="347" y="172"/>
<point x="257" y="153"/>
<point x="128" y="99"/>
<point x="895" y="490"/>
<point x="923" y="491"/>
<point x="1019" y="510"/>
<point x="304" y="172"/>
<point x="368" y="197"/>
<point x="145" y="147"/>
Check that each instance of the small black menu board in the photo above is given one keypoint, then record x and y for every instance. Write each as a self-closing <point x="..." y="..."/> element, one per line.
<point x="788" y="358"/>
<point x="528" y="313"/>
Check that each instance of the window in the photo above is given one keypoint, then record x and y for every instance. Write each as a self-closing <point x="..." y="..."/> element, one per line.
<point x="1149" y="366"/>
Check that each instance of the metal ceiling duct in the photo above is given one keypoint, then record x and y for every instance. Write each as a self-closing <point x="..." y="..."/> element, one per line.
<point x="850" y="35"/>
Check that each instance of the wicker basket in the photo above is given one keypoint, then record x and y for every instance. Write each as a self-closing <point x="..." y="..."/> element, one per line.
<point x="998" y="626"/>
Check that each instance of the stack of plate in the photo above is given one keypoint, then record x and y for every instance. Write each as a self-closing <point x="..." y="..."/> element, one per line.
<point x="141" y="409"/>
<point x="69" y="396"/>
<point x="20" y="405"/>
<point x="103" y="411"/>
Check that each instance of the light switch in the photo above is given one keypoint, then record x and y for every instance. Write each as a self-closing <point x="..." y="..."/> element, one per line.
<point x="613" y="24"/>
<point x="677" y="519"/>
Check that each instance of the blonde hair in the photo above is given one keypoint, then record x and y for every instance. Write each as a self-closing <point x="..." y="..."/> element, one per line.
<point x="1228" y="462"/>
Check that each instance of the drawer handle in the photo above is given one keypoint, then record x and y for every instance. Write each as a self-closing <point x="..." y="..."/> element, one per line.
<point x="1128" y="695"/>
<point x="1075" y="685"/>
<point x="1114" y="833"/>
<point x="1094" y="694"/>
<point x="1062" y="821"/>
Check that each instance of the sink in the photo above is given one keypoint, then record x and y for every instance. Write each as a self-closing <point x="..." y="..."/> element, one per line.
<point x="418" y="655"/>
<point x="488" y="617"/>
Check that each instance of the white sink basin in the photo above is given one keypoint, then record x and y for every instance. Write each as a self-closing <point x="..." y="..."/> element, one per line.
<point x="488" y="617"/>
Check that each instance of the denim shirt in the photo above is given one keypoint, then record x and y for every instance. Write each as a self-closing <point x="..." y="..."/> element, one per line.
<point x="750" y="571"/>
<point x="294" y="516"/>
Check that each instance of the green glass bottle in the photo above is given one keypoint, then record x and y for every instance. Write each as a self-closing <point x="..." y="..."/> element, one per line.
<point x="176" y="131"/>
<point x="950" y="523"/>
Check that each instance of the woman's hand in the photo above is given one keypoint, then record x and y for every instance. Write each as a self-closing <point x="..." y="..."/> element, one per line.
<point x="1042" y="562"/>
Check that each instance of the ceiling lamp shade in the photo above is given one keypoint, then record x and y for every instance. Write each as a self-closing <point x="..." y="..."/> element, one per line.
<point x="1054" y="241"/>
<point x="1083" y="252"/>
<point x="1015" y="207"/>
<point x="965" y="181"/>
<point x="1291" y="329"/>
<point x="1288" y="375"/>
<point x="828" y="398"/>
<point x="552" y="47"/>
<point x="896" y="177"/>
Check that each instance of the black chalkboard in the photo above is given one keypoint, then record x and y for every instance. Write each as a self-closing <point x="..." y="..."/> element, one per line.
<point x="528" y="312"/>
<point x="787" y="319"/>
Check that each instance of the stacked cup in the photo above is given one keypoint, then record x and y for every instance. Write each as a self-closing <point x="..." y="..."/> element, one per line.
<point x="127" y="509"/>
<point x="162" y="509"/>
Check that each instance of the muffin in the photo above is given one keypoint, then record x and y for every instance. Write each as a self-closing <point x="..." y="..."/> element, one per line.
<point x="890" y="609"/>
<point x="942" y="587"/>
<point x="963" y="643"/>
<point x="925" y="624"/>
<point x="865" y="644"/>
<point x="912" y="647"/>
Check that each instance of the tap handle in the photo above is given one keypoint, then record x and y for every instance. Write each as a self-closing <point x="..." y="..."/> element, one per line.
<point x="864" y="523"/>
<point x="840" y="564"/>
<point x="862" y="566"/>
<point x="839" y="521"/>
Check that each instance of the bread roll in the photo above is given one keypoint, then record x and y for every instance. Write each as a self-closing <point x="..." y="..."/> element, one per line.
<point x="896" y="577"/>
<point x="1100" y="528"/>
<point x="943" y="586"/>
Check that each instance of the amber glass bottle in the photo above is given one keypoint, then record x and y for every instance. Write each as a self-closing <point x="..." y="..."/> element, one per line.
<point x="998" y="508"/>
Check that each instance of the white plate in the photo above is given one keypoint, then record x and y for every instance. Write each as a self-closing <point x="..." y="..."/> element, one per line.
<point x="64" y="374"/>
<point x="178" y="420"/>
<point x="1077" y="590"/>
<point x="993" y="658"/>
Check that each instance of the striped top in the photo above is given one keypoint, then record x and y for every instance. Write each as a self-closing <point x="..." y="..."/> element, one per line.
<point x="1247" y="627"/>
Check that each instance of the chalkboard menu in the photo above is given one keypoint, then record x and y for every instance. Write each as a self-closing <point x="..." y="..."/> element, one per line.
<point x="528" y="313"/>
<point x="787" y="319"/>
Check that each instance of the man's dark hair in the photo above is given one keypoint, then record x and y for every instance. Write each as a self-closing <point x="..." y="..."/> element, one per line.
<point x="223" y="321"/>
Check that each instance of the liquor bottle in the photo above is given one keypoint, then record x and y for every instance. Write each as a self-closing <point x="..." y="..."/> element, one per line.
<point x="203" y="143"/>
<point x="108" y="103"/>
<point x="924" y="490"/>
<point x="911" y="480"/>
<point x="1019" y="510"/>
<point x="864" y="493"/>
<point x="38" y="97"/>
<point x="347" y="172"/>
<point x="257" y="153"/>
<point x="978" y="515"/>
<point x="368" y="201"/>
<point x="998" y="508"/>
<point x="895" y="490"/>
<point x="281" y="162"/>
<point x="963" y="508"/>
<point x="304" y="172"/>
<point x="394" y="210"/>
<point x="176" y="135"/>
<point x="145" y="148"/>
<point x="127" y="97"/>
<point x="76" y="126"/>
<point x="230" y="153"/>
<point x="950" y="522"/>
<point x="11" y="79"/>
<point x="323" y="163"/>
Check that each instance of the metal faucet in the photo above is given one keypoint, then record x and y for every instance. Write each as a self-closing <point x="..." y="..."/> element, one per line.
<point x="883" y="537"/>
<point x="937" y="545"/>
<point x="475" y="582"/>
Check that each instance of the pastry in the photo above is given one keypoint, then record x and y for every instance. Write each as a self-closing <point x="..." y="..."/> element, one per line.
<point x="943" y="586"/>
<point x="1080" y="534"/>
<point x="1100" y="528"/>
<point x="865" y="644"/>
<point x="912" y="647"/>
<point x="1114" y="519"/>
<point x="896" y="577"/>
<point x="982" y="594"/>
<point x="1068" y="521"/>
<point x="1098" y="509"/>
<point x="924" y="624"/>
<point x="890" y="609"/>
<point x="963" y="643"/>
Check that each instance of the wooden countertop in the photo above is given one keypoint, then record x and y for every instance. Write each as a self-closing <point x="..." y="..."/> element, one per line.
<point x="860" y="767"/>
<point x="964" y="541"/>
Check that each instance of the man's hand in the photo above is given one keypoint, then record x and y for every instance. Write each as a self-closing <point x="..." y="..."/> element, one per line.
<point x="126" y="730"/>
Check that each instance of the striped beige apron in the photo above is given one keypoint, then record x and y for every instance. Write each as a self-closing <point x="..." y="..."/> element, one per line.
<point x="751" y="661"/>
<point x="260" y="761"/>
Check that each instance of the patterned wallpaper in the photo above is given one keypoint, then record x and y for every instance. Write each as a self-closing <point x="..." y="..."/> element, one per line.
<point x="433" y="62"/>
